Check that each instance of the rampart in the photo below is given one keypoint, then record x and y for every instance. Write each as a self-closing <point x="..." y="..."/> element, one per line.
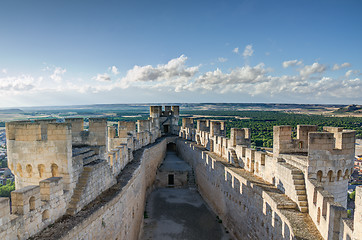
<point x="312" y="171"/>
<point x="60" y="168"/>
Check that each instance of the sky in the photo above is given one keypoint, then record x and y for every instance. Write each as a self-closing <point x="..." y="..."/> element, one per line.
<point x="67" y="52"/>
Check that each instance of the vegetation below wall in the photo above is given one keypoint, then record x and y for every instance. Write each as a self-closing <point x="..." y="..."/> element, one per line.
<point x="6" y="189"/>
<point x="261" y="122"/>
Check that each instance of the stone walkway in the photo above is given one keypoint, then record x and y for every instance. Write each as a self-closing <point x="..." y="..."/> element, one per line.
<point x="173" y="213"/>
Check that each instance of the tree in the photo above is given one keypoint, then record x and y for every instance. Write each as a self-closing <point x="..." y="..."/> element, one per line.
<point x="7" y="189"/>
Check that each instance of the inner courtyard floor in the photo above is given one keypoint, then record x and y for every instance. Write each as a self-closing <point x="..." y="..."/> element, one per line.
<point x="180" y="213"/>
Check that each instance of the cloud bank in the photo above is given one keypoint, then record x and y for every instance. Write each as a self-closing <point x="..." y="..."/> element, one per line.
<point x="308" y="81"/>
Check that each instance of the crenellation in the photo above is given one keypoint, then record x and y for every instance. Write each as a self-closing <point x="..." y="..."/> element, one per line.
<point x="240" y="136"/>
<point x="217" y="128"/>
<point x="25" y="199"/>
<point x="188" y="123"/>
<point x="155" y="111"/>
<point x="126" y="129"/>
<point x="202" y="125"/>
<point x="112" y="132"/>
<point x="313" y="169"/>
<point x="51" y="188"/>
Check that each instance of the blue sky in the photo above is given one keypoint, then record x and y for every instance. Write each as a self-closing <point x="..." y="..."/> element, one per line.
<point x="86" y="52"/>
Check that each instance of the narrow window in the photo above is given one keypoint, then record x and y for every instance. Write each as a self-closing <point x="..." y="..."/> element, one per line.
<point x="171" y="180"/>
<point x="32" y="203"/>
<point x="29" y="170"/>
<point x="315" y="197"/>
<point x="319" y="176"/>
<point x="339" y="175"/>
<point x="330" y="176"/>
<point x="319" y="216"/>
<point x="54" y="169"/>
<point x="19" y="169"/>
<point x="346" y="174"/>
<point x="41" y="169"/>
<point x="45" y="215"/>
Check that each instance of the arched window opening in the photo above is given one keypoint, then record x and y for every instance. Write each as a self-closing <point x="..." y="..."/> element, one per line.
<point x="54" y="169"/>
<point x="45" y="215"/>
<point x="300" y="145"/>
<point x="19" y="169"/>
<point x="346" y="174"/>
<point x="330" y="176"/>
<point x="41" y="170"/>
<point x="339" y="175"/>
<point x="319" y="176"/>
<point x="32" y="203"/>
<point x="29" y="170"/>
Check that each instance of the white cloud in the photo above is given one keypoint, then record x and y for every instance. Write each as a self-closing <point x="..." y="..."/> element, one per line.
<point x="219" y="81"/>
<point x="114" y="70"/>
<point x="248" y="51"/>
<point x="236" y="50"/>
<point x="57" y="74"/>
<point x="221" y="59"/>
<point x="4" y="70"/>
<point x="102" y="77"/>
<point x="291" y="63"/>
<point x="351" y="72"/>
<point x="13" y="85"/>
<point x="343" y="65"/>
<point x="175" y="69"/>
<point x="311" y="69"/>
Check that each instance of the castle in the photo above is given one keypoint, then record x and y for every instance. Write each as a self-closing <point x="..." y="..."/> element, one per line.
<point x="73" y="183"/>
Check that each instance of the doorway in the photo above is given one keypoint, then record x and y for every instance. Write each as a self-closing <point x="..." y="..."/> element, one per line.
<point x="165" y="128"/>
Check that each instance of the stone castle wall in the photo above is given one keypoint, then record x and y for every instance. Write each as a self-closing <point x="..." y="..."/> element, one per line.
<point x="311" y="170"/>
<point x="247" y="208"/>
<point x="122" y="217"/>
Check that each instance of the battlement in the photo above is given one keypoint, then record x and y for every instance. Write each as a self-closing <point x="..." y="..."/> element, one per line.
<point x="313" y="169"/>
<point x="37" y="131"/>
<point x="329" y="216"/>
<point x="126" y="128"/>
<point x="240" y="136"/>
<point x="176" y="110"/>
<point x="43" y="149"/>
<point x="157" y="112"/>
<point x="203" y="125"/>
<point x="188" y="123"/>
<point x="217" y="128"/>
<point x="284" y="143"/>
<point x="77" y="124"/>
<point x="143" y="125"/>
<point x="33" y="208"/>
